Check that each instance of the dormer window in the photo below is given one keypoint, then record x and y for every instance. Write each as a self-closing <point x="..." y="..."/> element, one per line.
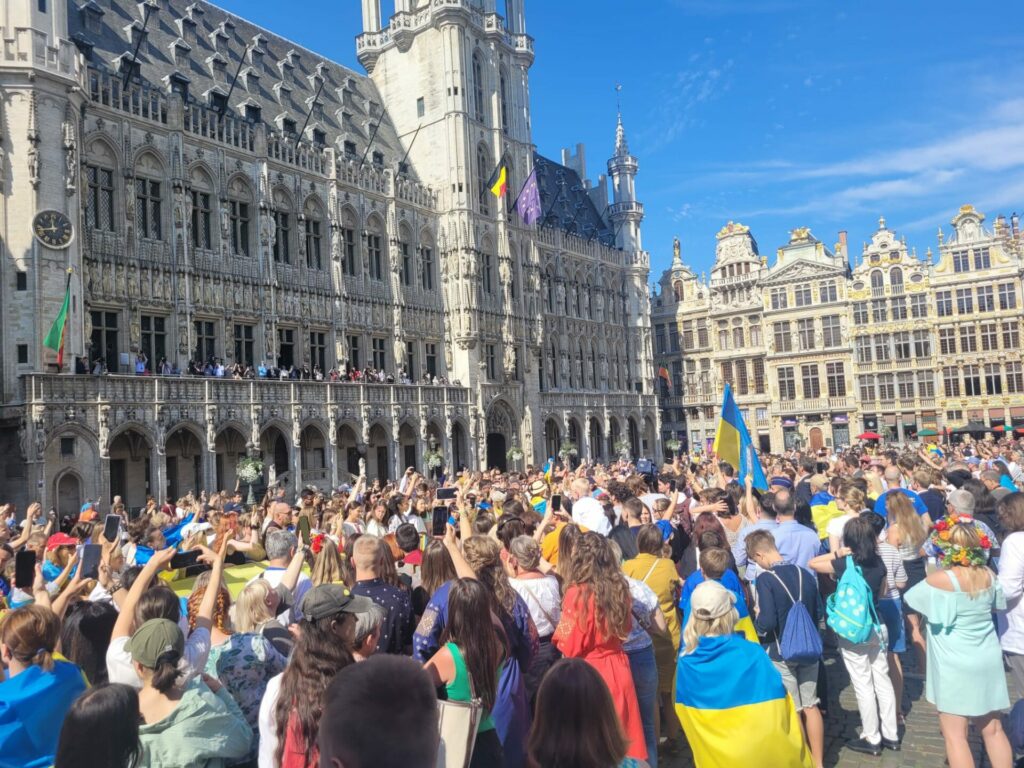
<point x="285" y="67"/>
<point x="253" y="113"/>
<point x="251" y="79"/>
<point x="178" y="83"/>
<point x="293" y="58"/>
<point x="92" y="16"/>
<point x="129" y="67"/>
<point x="180" y="51"/>
<point x="218" y="101"/>
<point x="319" y="137"/>
<point x="378" y="159"/>
<point x="283" y="92"/>
<point x="187" y="29"/>
<point x="288" y="126"/>
<point x="350" y="149"/>
<point x="218" y="65"/>
<point x="135" y="34"/>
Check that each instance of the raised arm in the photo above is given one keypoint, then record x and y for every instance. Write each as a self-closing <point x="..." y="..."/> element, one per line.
<point x="462" y="568"/>
<point x="158" y="562"/>
<point x="204" y="617"/>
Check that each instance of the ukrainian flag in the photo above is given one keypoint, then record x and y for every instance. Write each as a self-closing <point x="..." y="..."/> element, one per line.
<point x="729" y="580"/>
<point x="824" y="510"/>
<point x="734" y="709"/>
<point x="733" y="443"/>
<point x="549" y="469"/>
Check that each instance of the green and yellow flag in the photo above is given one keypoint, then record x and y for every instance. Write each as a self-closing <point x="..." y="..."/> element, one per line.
<point x="58" y="331"/>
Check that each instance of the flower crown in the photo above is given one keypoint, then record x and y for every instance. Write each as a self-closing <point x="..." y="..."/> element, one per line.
<point x="317" y="543"/>
<point x="953" y="554"/>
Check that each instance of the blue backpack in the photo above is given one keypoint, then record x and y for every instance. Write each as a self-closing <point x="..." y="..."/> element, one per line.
<point x="799" y="641"/>
<point x="850" y="610"/>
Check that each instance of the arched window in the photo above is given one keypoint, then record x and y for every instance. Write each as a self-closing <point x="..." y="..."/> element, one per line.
<point x="313" y="227"/>
<point x="503" y="94"/>
<point x="478" y="86"/>
<point x="877" y="279"/>
<point x="583" y="370"/>
<point x="427" y="261"/>
<point x="677" y="290"/>
<point x="554" y="365"/>
<point x="149" y="198"/>
<point x="593" y="370"/>
<point x="487" y="267"/>
<point x="100" y="172"/>
<point x="375" y="247"/>
<point x="549" y="283"/>
<point x="202" y="212"/>
<point x="347" y="233"/>
<point x="896" y="277"/>
<point x="239" y="216"/>
<point x="282" y="227"/>
<point x="483" y="173"/>
<point x="405" y="253"/>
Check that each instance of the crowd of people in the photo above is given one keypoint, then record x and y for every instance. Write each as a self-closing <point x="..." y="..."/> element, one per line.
<point x="215" y="367"/>
<point x="586" y="617"/>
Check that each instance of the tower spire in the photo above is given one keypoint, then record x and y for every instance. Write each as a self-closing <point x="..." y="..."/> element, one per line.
<point x="621" y="146"/>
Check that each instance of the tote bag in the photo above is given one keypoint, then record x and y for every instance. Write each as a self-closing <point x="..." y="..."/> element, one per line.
<point x="457" y="722"/>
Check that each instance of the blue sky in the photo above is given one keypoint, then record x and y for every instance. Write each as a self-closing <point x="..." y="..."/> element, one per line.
<point x="775" y="113"/>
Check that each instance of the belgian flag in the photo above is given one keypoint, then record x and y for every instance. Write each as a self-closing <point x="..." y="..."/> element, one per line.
<point x="498" y="183"/>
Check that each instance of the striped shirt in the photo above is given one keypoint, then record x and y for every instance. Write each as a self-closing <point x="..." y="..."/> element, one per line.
<point x="895" y="573"/>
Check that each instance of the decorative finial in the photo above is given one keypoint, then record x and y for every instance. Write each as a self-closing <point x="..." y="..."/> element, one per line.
<point x="941" y="236"/>
<point x="621" y="147"/>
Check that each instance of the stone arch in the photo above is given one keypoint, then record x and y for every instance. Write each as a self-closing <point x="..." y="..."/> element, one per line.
<point x="378" y="452"/>
<point x="552" y="437"/>
<point x="101" y="148"/>
<point x="314" y="447"/>
<point x="877" y="279"/>
<point x="150" y="162"/>
<point x="68" y="493"/>
<point x="896" y="277"/>
<point x="348" y="449"/>
<point x="633" y="436"/>
<point x="501" y="432"/>
<point x="203" y="207"/>
<point x="229" y="446"/>
<point x="241" y="212"/>
<point x="460" y="445"/>
<point x="614" y="436"/>
<point x="184" y="449"/>
<point x="275" y="449"/>
<point x="131" y="464"/>
<point x="406" y="447"/>
<point x="595" y="438"/>
<point x="427" y="249"/>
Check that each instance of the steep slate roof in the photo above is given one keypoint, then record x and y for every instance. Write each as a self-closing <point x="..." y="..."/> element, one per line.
<point x="351" y="103"/>
<point x="566" y="204"/>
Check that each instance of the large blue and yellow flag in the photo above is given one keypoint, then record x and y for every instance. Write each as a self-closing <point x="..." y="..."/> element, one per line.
<point x="734" y="708"/>
<point x="549" y="470"/>
<point x="733" y="443"/>
<point x="823" y="510"/>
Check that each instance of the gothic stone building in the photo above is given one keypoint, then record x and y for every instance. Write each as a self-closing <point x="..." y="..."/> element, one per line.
<point x="234" y="195"/>
<point x="818" y="351"/>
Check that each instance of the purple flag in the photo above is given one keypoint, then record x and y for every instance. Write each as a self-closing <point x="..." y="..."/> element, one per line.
<point x="528" y="205"/>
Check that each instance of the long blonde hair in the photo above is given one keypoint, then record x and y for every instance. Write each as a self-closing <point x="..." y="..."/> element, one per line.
<point x="329" y="568"/>
<point x="251" y="609"/>
<point x="979" y="577"/>
<point x="697" y="628"/>
<point x="901" y="512"/>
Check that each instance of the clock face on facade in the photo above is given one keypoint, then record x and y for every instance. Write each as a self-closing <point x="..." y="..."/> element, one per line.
<point x="53" y="229"/>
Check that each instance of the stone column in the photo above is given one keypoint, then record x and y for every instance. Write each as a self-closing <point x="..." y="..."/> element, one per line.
<point x="296" y="454"/>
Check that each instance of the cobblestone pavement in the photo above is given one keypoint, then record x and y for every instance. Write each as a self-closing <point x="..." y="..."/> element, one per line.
<point x="922" y="740"/>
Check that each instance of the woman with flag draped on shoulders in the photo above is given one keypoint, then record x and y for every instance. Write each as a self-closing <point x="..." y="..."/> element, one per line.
<point x="729" y="697"/>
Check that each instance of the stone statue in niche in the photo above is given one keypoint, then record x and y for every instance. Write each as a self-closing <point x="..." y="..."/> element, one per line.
<point x="33" y="164"/>
<point x="70" y="157"/>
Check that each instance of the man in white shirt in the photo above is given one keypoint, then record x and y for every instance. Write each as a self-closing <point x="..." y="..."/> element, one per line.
<point x="281" y="546"/>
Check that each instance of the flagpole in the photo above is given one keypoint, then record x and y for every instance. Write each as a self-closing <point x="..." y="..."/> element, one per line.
<point x="523" y="188"/>
<point x="64" y="330"/>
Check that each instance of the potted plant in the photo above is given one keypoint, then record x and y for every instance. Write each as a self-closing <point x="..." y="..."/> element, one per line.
<point x="673" y="445"/>
<point x="622" y="448"/>
<point x="249" y="471"/>
<point x="433" y="460"/>
<point x="568" y="450"/>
